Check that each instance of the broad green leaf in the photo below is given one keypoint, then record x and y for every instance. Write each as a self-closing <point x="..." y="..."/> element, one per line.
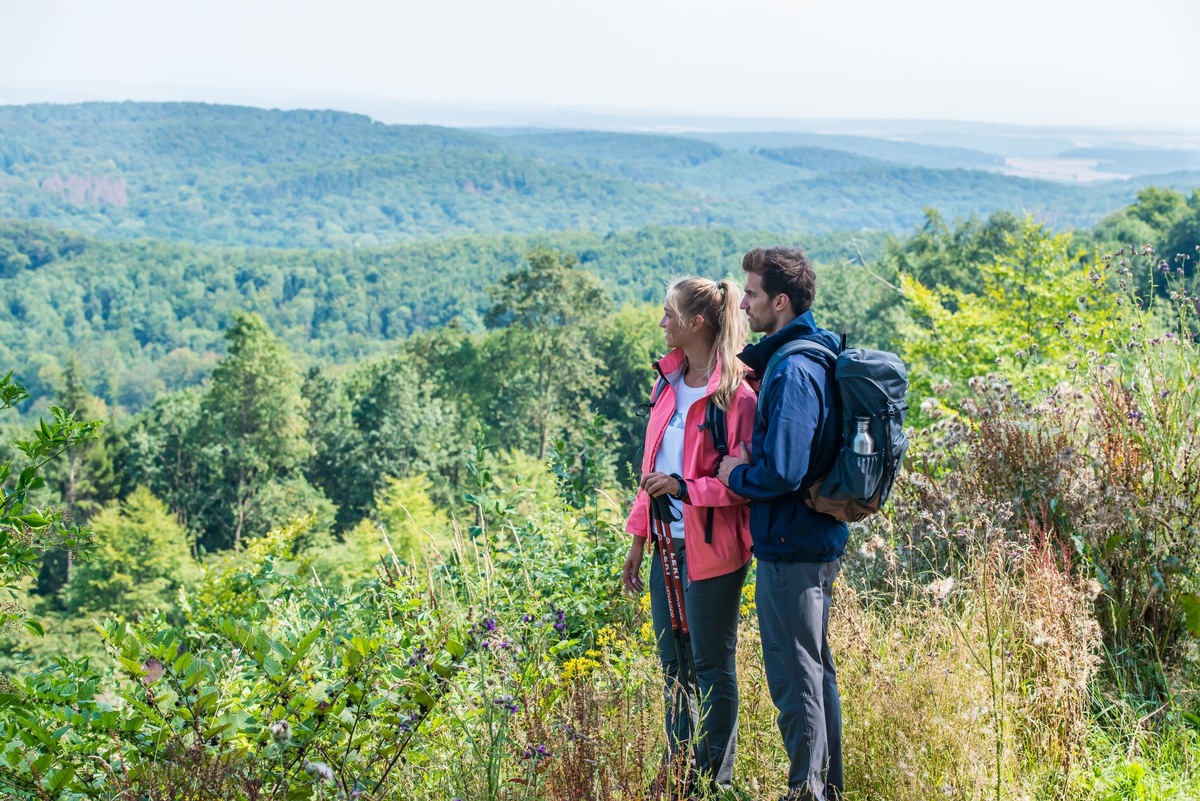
<point x="60" y="778"/>
<point x="34" y="520"/>
<point x="1191" y="612"/>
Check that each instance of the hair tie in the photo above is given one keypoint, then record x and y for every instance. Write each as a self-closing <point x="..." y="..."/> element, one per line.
<point x="721" y="286"/>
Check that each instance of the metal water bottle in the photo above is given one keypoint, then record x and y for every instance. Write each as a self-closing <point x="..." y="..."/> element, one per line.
<point x="862" y="442"/>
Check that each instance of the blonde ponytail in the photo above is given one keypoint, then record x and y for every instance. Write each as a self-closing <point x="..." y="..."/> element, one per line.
<point x="732" y="330"/>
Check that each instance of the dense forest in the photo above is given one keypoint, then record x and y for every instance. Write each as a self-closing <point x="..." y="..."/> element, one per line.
<point x="347" y="522"/>
<point x="247" y="177"/>
<point x="148" y="316"/>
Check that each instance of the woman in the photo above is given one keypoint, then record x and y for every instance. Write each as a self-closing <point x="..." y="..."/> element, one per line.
<point x="705" y="330"/>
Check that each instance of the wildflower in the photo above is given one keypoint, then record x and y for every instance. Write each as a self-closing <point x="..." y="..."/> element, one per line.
<point x="872" y="546"/>
<point x="418" y="656"/>
<point x="558" y="618"/>
<point x="939" y="590"/>
<point x="1092" y="589"/>
<point x="153" y="670"/>
<point x="536" y="752"/>
<point x="280" y="731"/>
<point x="319" y="770"/>
<point x="606" y="636"/>
<point x="1040" y="637"/>
<point x="578" y="668"/>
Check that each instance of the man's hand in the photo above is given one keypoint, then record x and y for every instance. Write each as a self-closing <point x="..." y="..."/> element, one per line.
<point x="656" y="484"/>
<point x="738" y="457"/>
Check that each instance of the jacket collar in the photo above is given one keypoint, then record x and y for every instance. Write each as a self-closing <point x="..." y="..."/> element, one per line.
<point x="673" y="363"/>
<point x="757" y="355"/>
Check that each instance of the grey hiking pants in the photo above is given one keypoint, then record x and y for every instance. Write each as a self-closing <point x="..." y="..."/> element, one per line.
<point x="712" y="612"/>
<point x="793" y="617"/>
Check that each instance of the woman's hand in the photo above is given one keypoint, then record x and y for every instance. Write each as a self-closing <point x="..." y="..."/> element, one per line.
<point x="656" y="484"/>
<point x="631" y="572"/>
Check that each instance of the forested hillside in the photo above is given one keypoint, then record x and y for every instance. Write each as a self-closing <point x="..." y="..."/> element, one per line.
<point x="148" y="316"/>
<point x="248" y="177"/>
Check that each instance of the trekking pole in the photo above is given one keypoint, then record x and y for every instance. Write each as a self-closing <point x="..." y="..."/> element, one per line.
<point x="661" y="516"/>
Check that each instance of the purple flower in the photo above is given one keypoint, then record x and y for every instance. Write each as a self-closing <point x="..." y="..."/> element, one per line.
<point x="536" y="752"/>
<point x="418" y="656"/>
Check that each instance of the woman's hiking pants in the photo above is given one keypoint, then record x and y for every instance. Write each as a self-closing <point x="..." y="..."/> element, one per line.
<point x="712" y="607"/>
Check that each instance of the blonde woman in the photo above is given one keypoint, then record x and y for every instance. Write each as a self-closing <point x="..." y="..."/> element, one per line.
<point x="704" y="330"/>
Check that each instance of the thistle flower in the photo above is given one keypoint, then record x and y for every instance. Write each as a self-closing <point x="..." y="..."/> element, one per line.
<point x="939" y="590"/>
<point x="873" y="546"/>
<point x="153" y="670"/>
<point x="319" y="770"/>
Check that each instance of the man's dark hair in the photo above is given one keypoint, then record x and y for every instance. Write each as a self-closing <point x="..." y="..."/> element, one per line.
<point x="784" y="271"/>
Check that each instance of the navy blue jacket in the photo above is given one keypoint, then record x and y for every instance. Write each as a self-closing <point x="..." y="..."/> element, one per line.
<point x="796" y="447"/>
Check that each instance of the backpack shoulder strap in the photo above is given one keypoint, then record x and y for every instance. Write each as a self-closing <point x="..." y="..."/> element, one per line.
<point x="714" y="422"/>
<point x="660" y="386"/>
<point x="768" y="375"/>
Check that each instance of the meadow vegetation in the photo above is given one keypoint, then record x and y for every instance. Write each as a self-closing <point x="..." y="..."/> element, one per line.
<point x="404" y="581"/>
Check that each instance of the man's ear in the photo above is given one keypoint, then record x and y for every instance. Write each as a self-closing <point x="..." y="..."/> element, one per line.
<point x="780" y="301"/>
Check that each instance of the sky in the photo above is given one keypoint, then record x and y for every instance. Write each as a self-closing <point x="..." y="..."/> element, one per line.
<point x="1109" y="63"/>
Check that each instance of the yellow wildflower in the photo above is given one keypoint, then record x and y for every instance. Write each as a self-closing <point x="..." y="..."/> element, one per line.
<point x="578" y="668"/>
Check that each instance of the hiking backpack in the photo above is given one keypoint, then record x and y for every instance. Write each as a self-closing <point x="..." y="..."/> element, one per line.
<point x="870" y="384"/>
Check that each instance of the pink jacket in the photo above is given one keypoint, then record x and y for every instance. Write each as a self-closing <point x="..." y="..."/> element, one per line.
<point x="730" y="546"/>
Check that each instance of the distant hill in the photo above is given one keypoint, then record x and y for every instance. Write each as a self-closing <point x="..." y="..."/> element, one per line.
<point x="1131" y="161"/>
<point x="222" y="175"/>
<point x="897" y="152"/>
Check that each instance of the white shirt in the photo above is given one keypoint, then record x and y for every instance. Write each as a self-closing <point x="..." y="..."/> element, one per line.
<point x="669" y="458"/>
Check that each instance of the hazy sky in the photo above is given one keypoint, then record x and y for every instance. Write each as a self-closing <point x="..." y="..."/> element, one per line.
<point x="1117" y="63"/>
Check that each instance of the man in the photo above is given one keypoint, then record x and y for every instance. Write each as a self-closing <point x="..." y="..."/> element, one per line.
<point x="798" y="550"/>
